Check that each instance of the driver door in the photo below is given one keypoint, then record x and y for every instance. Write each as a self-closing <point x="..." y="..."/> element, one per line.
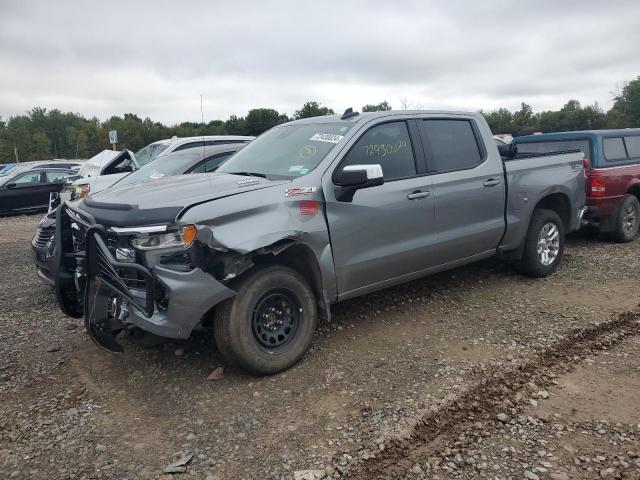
<point x="386" y="232"/>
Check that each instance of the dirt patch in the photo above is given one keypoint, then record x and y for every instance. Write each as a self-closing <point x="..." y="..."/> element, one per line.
<point x="594" y="393"/>
<point x="484" y="400"/>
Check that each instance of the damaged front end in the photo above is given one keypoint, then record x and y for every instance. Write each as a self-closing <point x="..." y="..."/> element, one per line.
<point x="117" y="287"/>
<point x="109" y="295"/>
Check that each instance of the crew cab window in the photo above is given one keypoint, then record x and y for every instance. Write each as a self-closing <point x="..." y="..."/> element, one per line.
<point x="31" y="177"/>
<point x="210" y="164"/>
<point x="451" y="145"/>
<point x="56" y="176"/>
<point x="633" y="146"/>
<point x="613" y="148"/>
<point x="389" y="146"/>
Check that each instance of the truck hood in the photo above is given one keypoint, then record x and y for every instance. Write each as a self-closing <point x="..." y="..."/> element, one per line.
<point x="161" y="200"/>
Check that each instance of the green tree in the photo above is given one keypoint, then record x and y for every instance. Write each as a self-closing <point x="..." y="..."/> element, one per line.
<point x="19" y="136"/>
<point x="6" y="151"/>
<point x="40" y="147"/>
<point x="236" y="126"/>
<point x="615" y="119"/>
<point x="523" y="122"/>
<point x="312" y="109"/>
<point x="499" y="120"/>
<point x="379" y="107"/>
<point x="260" y="120"/>
<point x="628" y="102"/>
<point x="77" y="136"/>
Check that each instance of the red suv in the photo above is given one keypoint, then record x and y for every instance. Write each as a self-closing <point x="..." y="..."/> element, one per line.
<point x="612" y="161"/>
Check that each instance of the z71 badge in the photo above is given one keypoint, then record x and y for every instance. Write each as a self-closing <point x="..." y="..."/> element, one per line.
<point x="293" y="192"/>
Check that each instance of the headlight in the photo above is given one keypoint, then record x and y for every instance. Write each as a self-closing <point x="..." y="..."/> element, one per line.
<point x="180" y="238"/>
<point x="81" y="191"/>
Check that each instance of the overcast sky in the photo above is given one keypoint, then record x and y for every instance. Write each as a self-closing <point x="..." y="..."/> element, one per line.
<point x="155" y="58"/>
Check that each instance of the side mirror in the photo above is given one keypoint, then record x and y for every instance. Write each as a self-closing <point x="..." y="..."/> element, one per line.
<point x="354" y="177"/>
<point x="11" y="185"/>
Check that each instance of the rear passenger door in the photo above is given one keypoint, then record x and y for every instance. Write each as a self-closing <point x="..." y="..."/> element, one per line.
<point x="385" y="232"/>
<point x="468" y="184"/>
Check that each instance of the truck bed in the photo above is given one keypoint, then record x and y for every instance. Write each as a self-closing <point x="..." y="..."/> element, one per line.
<point x="530" y="177"/>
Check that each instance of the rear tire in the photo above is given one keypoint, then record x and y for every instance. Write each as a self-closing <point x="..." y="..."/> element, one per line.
<point x="268" y="326"/>
<point x="543" y="245"/>
<point x="627" y="220"/>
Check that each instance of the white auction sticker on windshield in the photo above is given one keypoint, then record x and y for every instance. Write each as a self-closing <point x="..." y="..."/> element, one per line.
<point x="327" y="137"/>
<point x="156" y="175"/>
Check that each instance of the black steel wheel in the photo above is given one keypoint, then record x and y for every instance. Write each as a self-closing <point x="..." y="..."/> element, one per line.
<point x="268" y="326"/>
<point x="276" y="318"/>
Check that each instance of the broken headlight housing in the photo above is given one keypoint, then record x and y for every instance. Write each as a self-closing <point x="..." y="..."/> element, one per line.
<point x="163" y="237"/>
<point x="81" y="191"/>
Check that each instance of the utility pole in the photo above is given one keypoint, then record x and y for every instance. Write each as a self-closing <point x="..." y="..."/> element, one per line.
<point x="15" y="152"/>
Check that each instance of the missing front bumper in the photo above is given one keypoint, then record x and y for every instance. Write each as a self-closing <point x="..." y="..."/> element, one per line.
<point x="111" y="305"/>
<point x="108" y="298"/>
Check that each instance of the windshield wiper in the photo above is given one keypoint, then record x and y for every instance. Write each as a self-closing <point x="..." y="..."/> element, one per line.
<point x="249" y="174"/>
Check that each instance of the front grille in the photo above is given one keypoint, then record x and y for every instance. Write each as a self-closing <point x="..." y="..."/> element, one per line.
<point x="43" y="235"/>
<point x="131" y="279"/>
<point x="133" y="282"/>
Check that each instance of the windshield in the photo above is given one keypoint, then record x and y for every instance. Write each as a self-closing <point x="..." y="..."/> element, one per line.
<point x="5" y="168"/>
<point x="288" y="151"/>
<point x="161" y="167"/>
<point x="13" y="172"/>
<point x="151" y="151"/>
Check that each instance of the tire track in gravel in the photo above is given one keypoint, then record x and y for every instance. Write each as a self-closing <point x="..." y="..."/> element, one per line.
<point x="486" y="398"/>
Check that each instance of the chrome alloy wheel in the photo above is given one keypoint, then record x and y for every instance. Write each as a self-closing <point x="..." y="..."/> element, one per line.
<point x="548" y="243"/>
<point x="629" y="216"/>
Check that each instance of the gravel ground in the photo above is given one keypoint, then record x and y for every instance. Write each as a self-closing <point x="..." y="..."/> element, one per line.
<point x="389" y="361"/>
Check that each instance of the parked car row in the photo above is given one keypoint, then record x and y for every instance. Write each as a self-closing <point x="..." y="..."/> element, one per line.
<point x="310" y="213"/>
<point x="108" y="167"/>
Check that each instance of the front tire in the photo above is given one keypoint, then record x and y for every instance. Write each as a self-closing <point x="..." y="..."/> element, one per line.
<point x="268" y="326"/>
<point x="627" y="220"/>
<point x="544" y="244"/>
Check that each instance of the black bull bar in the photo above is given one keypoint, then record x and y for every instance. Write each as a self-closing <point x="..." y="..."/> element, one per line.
<point x="106" y="291"/>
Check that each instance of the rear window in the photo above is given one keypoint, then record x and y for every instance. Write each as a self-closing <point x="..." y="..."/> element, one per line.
<point x="557" y="146"/>
<point x="451" y="144"/>
<point x="633" y="146"/>
<point x="613" y="148"/>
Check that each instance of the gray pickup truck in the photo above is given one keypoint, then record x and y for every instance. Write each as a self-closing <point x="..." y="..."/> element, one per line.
<point x="311" y="213"/>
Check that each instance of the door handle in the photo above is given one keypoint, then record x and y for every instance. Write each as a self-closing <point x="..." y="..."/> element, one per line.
<point x="418" y="195"/>
<point x="492" y="182"/>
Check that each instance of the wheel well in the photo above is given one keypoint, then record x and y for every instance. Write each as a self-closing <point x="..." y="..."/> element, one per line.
<point x="301" y="259"/>
<point x="296" y="256"/>
<point x="635" y="191"/>
<point x="559" y="203"/>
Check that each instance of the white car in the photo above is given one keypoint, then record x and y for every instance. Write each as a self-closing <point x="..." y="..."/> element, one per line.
<point x="107" y="167"/>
